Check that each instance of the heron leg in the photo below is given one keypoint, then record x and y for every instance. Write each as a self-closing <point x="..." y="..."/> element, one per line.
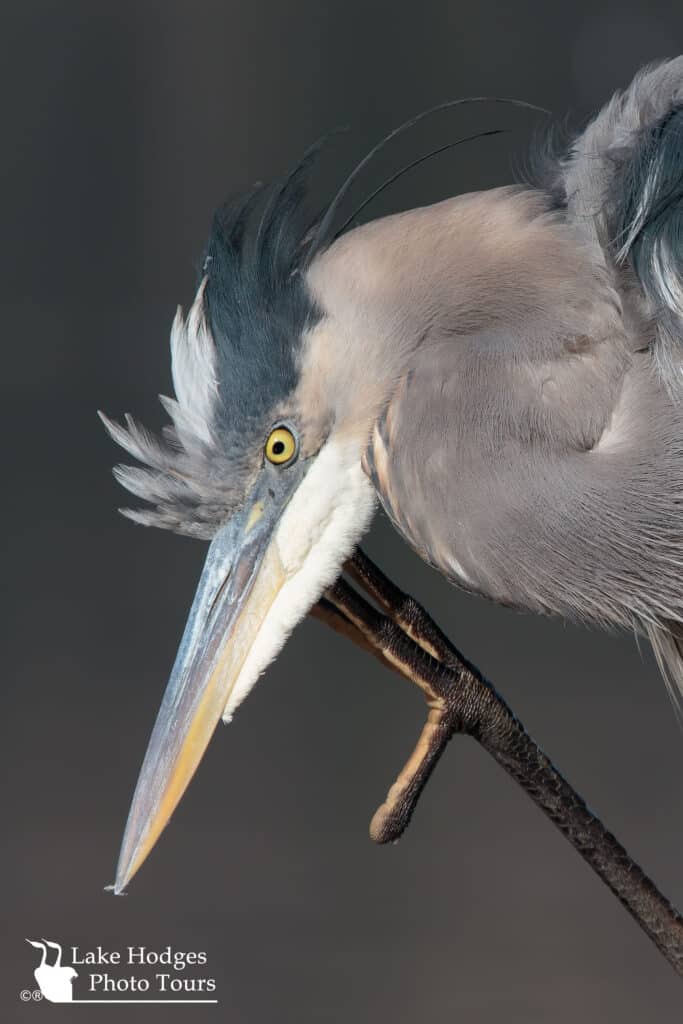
<point x="449" y="698"/>
<point x="350" y="614"/>
<point x="461" y="700"/>
<point x="347" y="613"/>
<point x="405" y="611"/>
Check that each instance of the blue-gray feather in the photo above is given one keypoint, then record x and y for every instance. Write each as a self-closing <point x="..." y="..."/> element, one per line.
<point x="651" y="222"/>
<point x="623" y="178"/>
<point x="256" y="302"/>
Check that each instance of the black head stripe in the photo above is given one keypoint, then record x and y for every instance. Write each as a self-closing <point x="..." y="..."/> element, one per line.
<point x="256" y="300"/>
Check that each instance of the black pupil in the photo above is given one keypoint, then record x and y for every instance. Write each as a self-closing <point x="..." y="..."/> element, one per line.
<point x="278" y="447"/>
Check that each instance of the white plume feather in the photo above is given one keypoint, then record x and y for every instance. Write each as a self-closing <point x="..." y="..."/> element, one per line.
<point x="193" y="365"/>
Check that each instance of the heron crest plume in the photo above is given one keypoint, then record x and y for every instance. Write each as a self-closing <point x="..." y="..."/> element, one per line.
<point x="235" y="358"/>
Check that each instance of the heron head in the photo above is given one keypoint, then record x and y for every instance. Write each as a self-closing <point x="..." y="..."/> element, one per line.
<point x="297" y="336"/>
<point x="262" y="458"/>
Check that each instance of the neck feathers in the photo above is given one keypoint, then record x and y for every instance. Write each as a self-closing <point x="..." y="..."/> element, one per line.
<point x="479" y="263"/>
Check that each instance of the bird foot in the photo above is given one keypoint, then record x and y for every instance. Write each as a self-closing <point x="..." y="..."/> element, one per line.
<point x="392" y="817"/>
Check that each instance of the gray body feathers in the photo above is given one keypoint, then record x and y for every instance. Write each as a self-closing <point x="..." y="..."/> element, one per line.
<point x="537" y="459"/>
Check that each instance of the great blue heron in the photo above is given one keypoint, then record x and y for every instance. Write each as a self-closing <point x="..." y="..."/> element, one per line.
<point x="503" y="371"/>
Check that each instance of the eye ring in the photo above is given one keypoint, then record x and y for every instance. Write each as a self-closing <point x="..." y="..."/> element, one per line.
<point x="282" y="446"/>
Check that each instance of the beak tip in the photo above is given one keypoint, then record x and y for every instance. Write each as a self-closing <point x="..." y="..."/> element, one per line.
<point x="120" y="883"/>
<point x="116" y="889"/>
<point x="125" y="869"/>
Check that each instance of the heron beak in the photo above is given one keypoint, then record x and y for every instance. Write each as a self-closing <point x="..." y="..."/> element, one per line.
<point x="242" y="576"/>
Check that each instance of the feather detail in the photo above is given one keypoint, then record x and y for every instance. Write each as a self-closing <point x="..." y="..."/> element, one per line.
<point x="667" y="645"/>
<point x="623" y="185"/>
<point x="193" y="366"/>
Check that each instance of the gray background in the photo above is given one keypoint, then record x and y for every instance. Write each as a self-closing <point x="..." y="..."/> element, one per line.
<point x="123" y="125"/>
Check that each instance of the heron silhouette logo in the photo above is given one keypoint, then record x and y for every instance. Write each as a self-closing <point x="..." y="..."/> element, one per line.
<point x="54" y="980"/>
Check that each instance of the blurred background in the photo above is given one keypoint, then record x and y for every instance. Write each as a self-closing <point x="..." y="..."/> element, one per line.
<point x="124" y="125"/>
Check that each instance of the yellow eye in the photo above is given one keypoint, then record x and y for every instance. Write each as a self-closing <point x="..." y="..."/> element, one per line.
<point x="281" y="446"/>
